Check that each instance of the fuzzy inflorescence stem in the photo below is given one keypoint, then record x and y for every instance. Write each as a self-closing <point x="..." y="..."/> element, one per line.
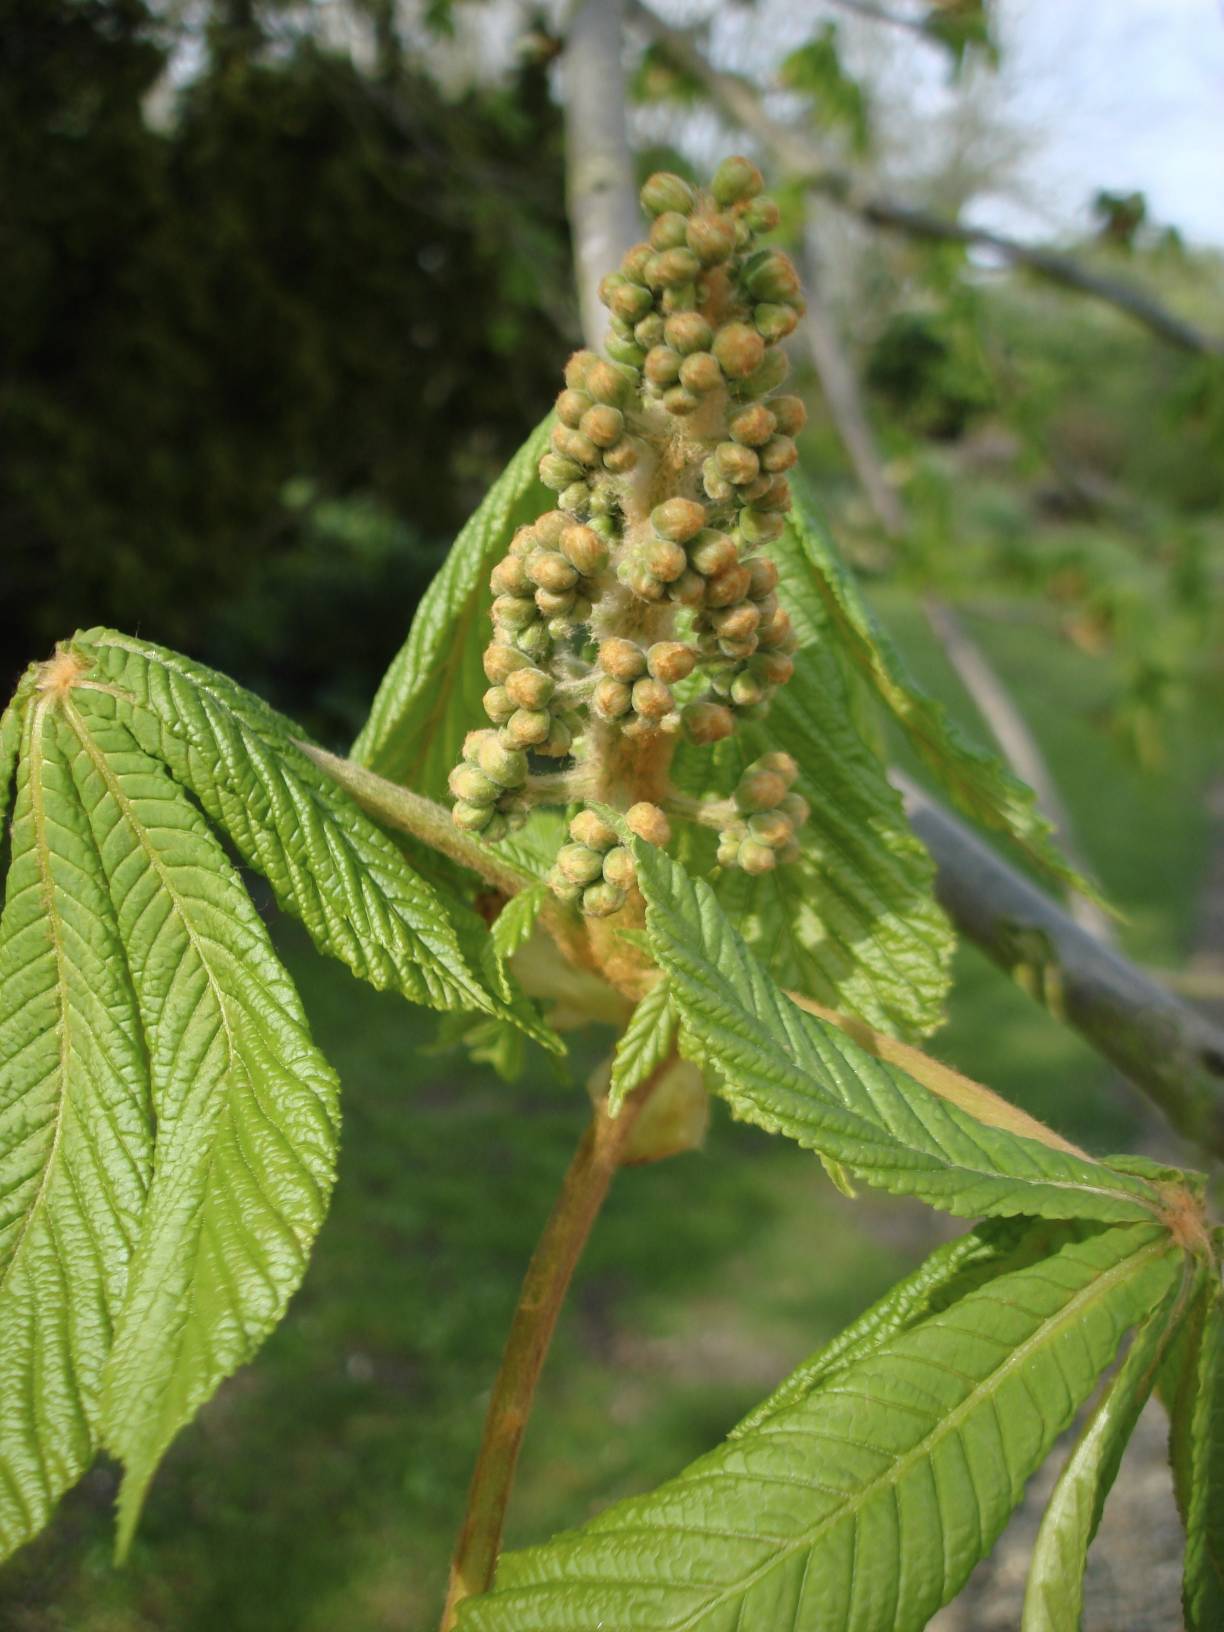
<point x="582" y="1195"/>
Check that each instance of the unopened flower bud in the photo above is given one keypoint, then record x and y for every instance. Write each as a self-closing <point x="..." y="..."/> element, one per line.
<point x="509" y="577"/>
<point x="611" y="698"/>
<point x="739" y="349"/>
<point x="624" y="349"/>
<point x="633" y="264"/>
<point x="651" y="699"/>
<point x="672" y="269"/>
<point x="700" y="373"/>
<point x="759" y="526"/>
<point x="629" y="301"/>
<point x="746" y="690"/>
<point x="589" y="829"/>
<point x="668" y="230"/>
<point x="755" y="857"/>
<point x="575" y="500"/>
<point x="576" y="369"/>
<point x="557" y="472"/>
<point x="762" y="215"/>
<point x="736" y="462"/>
<point x="678" y="519"/>
<point x="584" y="549"/>
<point x="736" y="622"/>
<point x="558" y="742"/>
<point x="772" y="371"/>
<point x="579" y="864"/>
<point x="662" y="366"/>
<point x="771" y="827"/>
<point x="471" y="785"/>
<point x="796" y="808"/>
<point x="780" y="763"/>
<point x="774" y="322"/>
<point x="649" y="332"/>
<point x="514" y="611"/>
<point x="600" y="900"/>
<point x="502" y="763"/>
<point x="735" y="179"/>
<point x="528" y="727"/>
<point x="608" y="384"/>
<point x="471" y="818"/>
<point x="573" y="445"/>
<point x="680" y="400"/>
<point x="712" y="553"/>
<point x="664" y="191"/>
<point x="621" y="458"/>
<point x="498" y="705"/>
<point x="776" y="497"/>
<point x="753" y="425"/>
<point x="778" y="630"/>
<point x="778" y="454"/>
<point x="790" y="414"/>
<point x="771" y="276"/>
<point x="563" y="888"/>
<point x="688" y="332"/>
<point x="648" y="822"/>
<point x="711" y="238"/>
<point x="706" y="722"/>
<point x="622" y="659"/>
<point x="679" y="297"/>
<point x="571" y="405"/>
<point x="760" y="789"/>
<point x="636" y="576"/>
<point x="603" y="425"/>
<point x="530" y="688"/>
<point x="670" y="661"/>
<point x="549" y="527"/>
<point x="773" y="668"/>
<point x="762" y="578"/>
<point x="618" y="868"/>
<point x="728" y="588"/>
<point x="663" y="559"/>
<point x="688" y="589"/>
<point x="717" y="486"/>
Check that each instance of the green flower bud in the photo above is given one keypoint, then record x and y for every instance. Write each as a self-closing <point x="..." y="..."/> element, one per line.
<point x="771" y="373"/>
<point x="668" y="231"/>
<point x="589" y="829"/>
<point x="502" y="763"/>
<point x="573" y="445"/>
<point x="471" y="818"/>
<point x="630" y="302"/>
<point x="563" y="888"/>
<point x="755" y="857"/>
<point x="663" y="559"/>
<point x="649" y="332"/>
<point x="780" y="763"/>
<point x="735" y="179"/>
<point x="509" y="577"/>
<point x="585" y="550"/>
<point x="762" y="215"/>
<point x="524" y="541"/>
<point x="759" y="527"/>
<point x="634" y="263"/>
<point x="746" y="690"/>
<point x="578" y="864"/>
<point x="760" y="789"/>
<point x="711" y="238"/>
<point x="672" y="268"/>
<point x="555" y="603"/>
<point x="557" y="472"/>
<point x="549" y="569"/>
<point x="618" y="868"/>
<point x="706" y="722"/>
<point x="664" y="191"/>
<point x="753" y="426"/>
<point x="777" y="631"/>
<point x="571" y="405"/>
<point x="651" y="699"/>
<point x="717" y="487"/>
<point x="472" y="786"/>
<point x="610" y="699"/>
<point x="528" y="727"/>
<point x="679" y="297"/>
<point x="739" y="349"/>
<point x="530" y="688"/>
<point x="549" y="527"/>
<point x="648" y="822"/>
<point x="688" y="589"/>
<point x="796" y="808"/>
<point x="662" y="366"/>
<point x="774" y="323"/>
<point x="727" y="588"/>
<point x="637" y="577"/>
<point x="559" y="741"/>
<point x="778" y="454"/>
<point x="608" y="284"/>
<point x="622" y="659"/>
<point x="576" y="369"/>
<point x="534" y="643"/>
<point x="728" y="852"/>
<point x="736" y="622"/>
<point x="608" y="384"/>
<point x="678" y="519"/>
<point x="777" y="496"/>
<point x="736" y="462"/>
<point x="602" y="425"/>
<point x="575" y="500"/>
<point x="700" y="373"/>
<point x="514" y="611"/>
<point x="773" y="668"/>
<point x="624" y="350"/>
<point x="771" y="827"/>
<point x="688" y="332"/>
<point x="680" y="400"/>
<point x="497" y="704"/>
<point x="600" y="900"/>
<point x="621" y="458"/>
<point x="669" y="661"/>
<point x="790" y="414"/>
<point x="497" y="828"/>
<point x="771" y="276"/>
<point x="712" y="553"/>
<point x="474" y="742"/>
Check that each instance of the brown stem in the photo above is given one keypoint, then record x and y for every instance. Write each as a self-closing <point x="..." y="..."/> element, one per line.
<point x="545" y="1285"/>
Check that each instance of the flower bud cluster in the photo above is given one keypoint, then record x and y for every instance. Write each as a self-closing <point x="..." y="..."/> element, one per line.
<point x="642" y="607"/>
<point x="769" y="814"/>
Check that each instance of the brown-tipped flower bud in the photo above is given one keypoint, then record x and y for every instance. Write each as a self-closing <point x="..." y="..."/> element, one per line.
<point x="498" y="704"/>
<point x="678" y="297"/>
<point x="790" y="414"/>
<point x="600" y="900"/>
<point x="759" y="526"/>
<point x="773" y="668"/>
<point x="762" y="215"/>
<point x="711" y="238"/>
<point x="563" y="888"/>
<point x="662" y="366"/>
<point x="637" y="577"/>
<point x="777" y="631"/>
<point x="559" y="741"/>
<point x="678" y="519"/>
<point x="717" y="487"/>
<point x="528" y="727"/>
<point x="780" y="763"/>
<point x="739" y="349"/>
<point x="672" y="269"/>
<point x="530" y="688"/>
<point x="670" y="661"/>
<point x="760" y="789"/>
<point x="514" y="611"/>
<point x="633" y="264"/>
<point x="575" y="500"/>
<point x="584" y="549"/>
<point x="774" y="323"/>
<point x="622" y="659"/>
<point x="590" y="829"/>
<point x="664" y="191"/>
<point x="576" y="369"/>
<point x="688" y="332"/>
<point x="621" y="458"/>
<point x="737" y="463"/>
<point x="668" y="231"/>
<point x="534" y="642"/>
<point x="778" y="454"/>
<point x="610" y="699"/>
<point x="688" y="589"/>
<point x="608" y="384"/>
<point x="706" y="722"/>
<point x="700" y="373"/>
<point x="549" y="569"/>
<point x="762" y="578"/>
<point x="649" y="332"/>
<point x="712" y="553"/>
<point x="651" y="699"/>
<point x="629" y="301"/>
<point x="579" y="864"/>
<point x="680" y="400"/>
<point x="736" y="622"/>
<point x="770" y="276"/>
<point x="571" y="405"/>
<point x="469" y="783"/>
<point x="663" y="559"/>
<point x="471" y="818"/>
<point x="573" y="445"/>
<point x="735" y="179"/>
<point x="618" y="868"/>
<point x="746" y="690"/>
<point x="771" y="827"/>
<point x="549" y="527"/>
<point x="557" y="472"/>
<point x="649" y="823"/>
<point x="773" y="370"/>
<point x="502" y="763"/>
<point x="509" y="577"/>
<point x="755" y="857"/>
<point x="777" y="496"/>
<point x="603" y="425"/>
<point x="728" y="588"/>
<point x="753" y="426"/>
<point x="796" y="807"/>
<point x="474" y="742"/>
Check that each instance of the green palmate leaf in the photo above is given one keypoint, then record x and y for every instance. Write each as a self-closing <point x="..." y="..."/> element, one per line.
<point x="854" y="922"/>
<point x="246" y="1107"/>
<point x="975" y="779"/>
<point x="325" y="859"/>
<point x="1054" y="1596"/>
<point x="430" y="696"/>
<point x="792" y="1073"/>
<point x="76" y="1136"/>
<point x="646" y="1042"/>
<point x="1196" y="1443"/>
<point x="866" y="1505"/>
<point x="514" y="923"/>
<point x="10" y="746"/>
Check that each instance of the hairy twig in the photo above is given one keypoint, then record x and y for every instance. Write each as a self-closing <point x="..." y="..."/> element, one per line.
<point x="742" y="103"/>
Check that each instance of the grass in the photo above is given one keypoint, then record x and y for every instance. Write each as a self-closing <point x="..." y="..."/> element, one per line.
<point x="322" y="1487"/>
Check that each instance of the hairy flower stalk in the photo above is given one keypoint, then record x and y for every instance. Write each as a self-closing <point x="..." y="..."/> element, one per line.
<point x="643" y="607"/>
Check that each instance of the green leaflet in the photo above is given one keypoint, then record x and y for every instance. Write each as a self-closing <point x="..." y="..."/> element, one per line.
<point x="854" y="923"/>
<point x="867" y="1504"/>
<point x="76" y="1140"/>
<point x="976" y="779"/>
<point x="430" y="696"/>
<point x="247" y="1114"/>
<point x="10" y="746"/>
<point x="326" y="861"/>
<point x="644" y="1044"/>
<point x="1196" y="1447"/>
<point x="514" y="923"/>
<point x="1054" y="1595"/>
<point x="792" y="1073"/>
